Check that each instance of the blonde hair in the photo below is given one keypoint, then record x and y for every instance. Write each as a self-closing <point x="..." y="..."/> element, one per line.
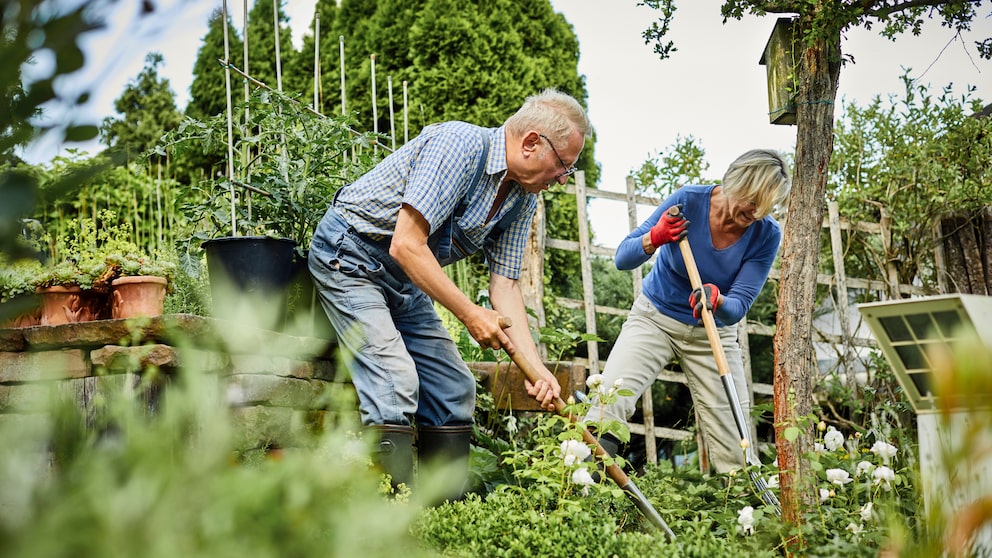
<point x="552" y="112"/>
<point x="761" y="176"/>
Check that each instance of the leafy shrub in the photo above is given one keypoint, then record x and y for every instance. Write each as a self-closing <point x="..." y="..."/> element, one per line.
<point x="123" y="483"/>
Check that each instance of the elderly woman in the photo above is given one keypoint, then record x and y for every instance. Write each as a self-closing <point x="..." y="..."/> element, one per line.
<point x="734" y="241"/>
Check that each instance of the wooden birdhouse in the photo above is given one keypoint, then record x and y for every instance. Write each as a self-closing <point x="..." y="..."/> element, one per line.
<point x="780" y="67"/>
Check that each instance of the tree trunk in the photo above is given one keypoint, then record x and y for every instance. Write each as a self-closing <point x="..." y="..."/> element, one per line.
<point x="795" y="374"/>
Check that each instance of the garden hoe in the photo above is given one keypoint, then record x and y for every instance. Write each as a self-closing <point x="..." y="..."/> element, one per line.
<point x="728" y="379"/>
<point x="613" y="470"/>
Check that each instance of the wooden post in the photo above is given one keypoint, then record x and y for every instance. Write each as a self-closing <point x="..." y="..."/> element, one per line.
<point x="406" y="115"/>
<point x="647" y="404"/>
<point x="842" y="305"/>
<point x="275" y="25"/>
<point x="532" y="274"/>
<point x="585" y="253"/>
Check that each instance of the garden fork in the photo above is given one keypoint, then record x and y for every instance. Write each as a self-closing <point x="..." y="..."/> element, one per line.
<point x="726" y="377"/>
<point x="613" y="471"/>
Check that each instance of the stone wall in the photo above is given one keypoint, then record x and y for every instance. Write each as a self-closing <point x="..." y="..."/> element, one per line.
<point x="274" y="384"/>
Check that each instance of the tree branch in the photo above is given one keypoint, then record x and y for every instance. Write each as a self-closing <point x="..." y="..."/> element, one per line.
<point x="885" y="11"/>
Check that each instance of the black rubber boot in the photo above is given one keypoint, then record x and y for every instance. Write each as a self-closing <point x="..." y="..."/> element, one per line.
<point x="610" y="443"/>
<point x="443" y="453"/>
<point x="393" y="452"/>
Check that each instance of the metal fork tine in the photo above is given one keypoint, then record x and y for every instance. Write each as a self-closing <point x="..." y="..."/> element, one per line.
<point x="765" y="492"/>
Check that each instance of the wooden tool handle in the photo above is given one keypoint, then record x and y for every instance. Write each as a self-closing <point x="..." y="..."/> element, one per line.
<point x="533" y="376"/>
<point x="712" y="333"/>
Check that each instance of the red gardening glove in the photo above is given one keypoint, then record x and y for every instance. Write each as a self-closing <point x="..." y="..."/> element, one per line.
<point x="670" y="228"/>
<point x="711" y="297"/>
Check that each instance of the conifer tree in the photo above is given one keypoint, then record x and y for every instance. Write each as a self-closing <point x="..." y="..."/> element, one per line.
<point x="208" y="94"/>
<point x="148" y="109"/>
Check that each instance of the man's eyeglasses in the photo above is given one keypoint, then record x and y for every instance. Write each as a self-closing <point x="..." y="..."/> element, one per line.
<point x="569" y="171"/>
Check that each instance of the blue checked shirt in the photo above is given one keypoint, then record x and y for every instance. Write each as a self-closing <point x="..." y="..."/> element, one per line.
<point x="432" y="174"/>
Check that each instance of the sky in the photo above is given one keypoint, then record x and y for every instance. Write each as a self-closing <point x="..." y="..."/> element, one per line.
<point x="712" y="88"/>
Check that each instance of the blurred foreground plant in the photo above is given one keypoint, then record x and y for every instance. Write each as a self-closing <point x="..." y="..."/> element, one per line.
<point x="120" y="481"/>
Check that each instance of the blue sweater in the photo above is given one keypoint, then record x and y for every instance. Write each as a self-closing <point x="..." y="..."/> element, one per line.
<point x="739" y="270"/>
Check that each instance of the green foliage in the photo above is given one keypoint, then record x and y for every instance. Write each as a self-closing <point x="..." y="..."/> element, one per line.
<point x="915" y="160"/>
<point x="680" y="164"/>
<point x="148" y="109"/>
<point x="208" y="91"/>
<point x="27" y="31"/>
<point x="261" y="38"/>
<point x="298" y="160"/>
<point x="18" y="277"/>
<point x="97" y="252"/>
<point x="173" y="483"/>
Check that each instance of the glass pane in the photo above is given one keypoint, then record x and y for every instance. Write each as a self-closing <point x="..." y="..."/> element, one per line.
<point x="948" y="322"/>
<point x="922" y="383"/>
<point x="911" y="357"/>
<point x="895" y="328"/>
<point x="921" y="325"/>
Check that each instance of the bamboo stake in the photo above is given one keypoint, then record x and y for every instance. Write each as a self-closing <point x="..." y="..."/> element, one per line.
<point x="392" y="123"/>
<point x="275" y="22"/>
<point x="297" y="103"/>
<point x="375" y="112"/>
<point x="230" y="126"/>
<point x="316" y="60"/>
<point x="282" y="147"/>
<point x="246" y="150"/>
<point x="406" y="116"/>
<point x="343" y="100"/>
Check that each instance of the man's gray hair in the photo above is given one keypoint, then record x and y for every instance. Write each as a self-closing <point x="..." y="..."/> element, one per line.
<point x="553" y="113"/>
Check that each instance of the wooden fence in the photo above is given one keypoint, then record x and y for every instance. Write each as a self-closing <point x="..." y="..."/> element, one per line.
<point x="846" y="341"/>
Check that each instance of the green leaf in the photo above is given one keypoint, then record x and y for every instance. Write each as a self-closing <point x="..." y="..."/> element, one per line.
<point x="791" y="433"/>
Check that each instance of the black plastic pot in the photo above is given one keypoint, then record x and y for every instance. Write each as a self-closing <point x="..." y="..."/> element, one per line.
<point x="249" y="278"/>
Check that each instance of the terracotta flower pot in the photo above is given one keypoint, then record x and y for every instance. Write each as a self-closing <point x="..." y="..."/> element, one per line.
<point x="30" y="319"/>
<point x="137" y="296"/>
<point x="64" y="305"/>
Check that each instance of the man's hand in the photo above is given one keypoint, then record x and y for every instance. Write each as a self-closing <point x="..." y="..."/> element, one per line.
<point x="670" y="228"/>
<point x="708" y="294"/>
<point x="546" y="391"/>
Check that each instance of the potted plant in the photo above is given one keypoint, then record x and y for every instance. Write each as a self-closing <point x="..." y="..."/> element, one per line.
<point x="76" y="286"/>
<point x="140" y="284"/>
<point x="256" y="230"/>
<point x="96" y="271"/>
<point x="19" y="306"/>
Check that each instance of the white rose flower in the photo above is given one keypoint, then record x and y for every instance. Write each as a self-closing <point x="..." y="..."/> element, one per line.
<point x="864" y="467"/>
<point x="884" y="450"/>
<point x="574" y="451"/>
<point x="866" y="514"/>
<point x="594" y="381"/>
<point x="883" y="476"/>
<point x="833" y="439"/>
<point x="855" y="528"/>
<point x="745" y="519"/>
<point x="839" y="477"/>
<point x="824" y="494"/>
<point x="582" y="477"/>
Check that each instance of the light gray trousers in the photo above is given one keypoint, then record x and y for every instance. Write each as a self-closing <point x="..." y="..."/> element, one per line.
<point x="650" y="341"/>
